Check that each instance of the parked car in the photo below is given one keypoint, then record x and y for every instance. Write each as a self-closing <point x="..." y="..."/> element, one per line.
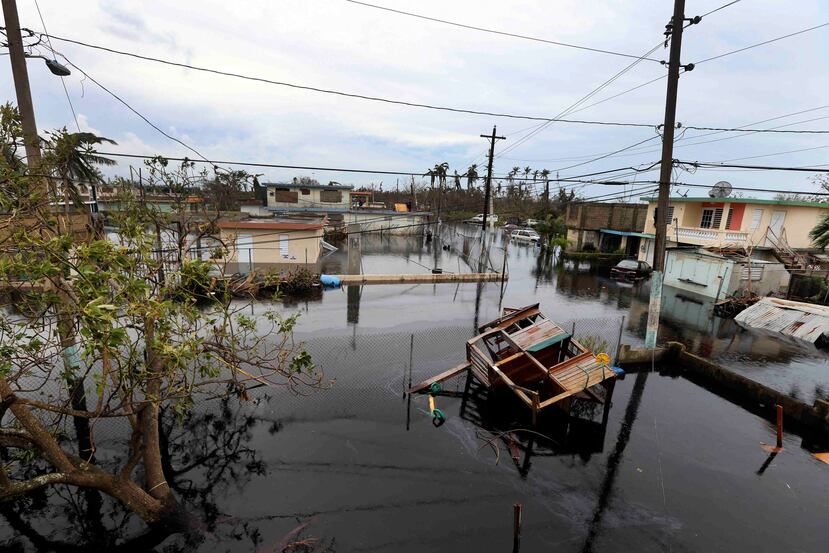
<point x="479" y="219"/>
<point x="531" y="222"/>
<point x="630" y="269"/>
<point x="528" y="236"/>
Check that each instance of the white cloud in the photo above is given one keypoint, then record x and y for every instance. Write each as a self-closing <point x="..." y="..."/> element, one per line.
<point x="337" y="45"/>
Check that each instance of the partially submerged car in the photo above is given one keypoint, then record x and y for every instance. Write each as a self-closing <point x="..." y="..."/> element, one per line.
<point x="528" y="236"/>
<point x="630" y="269"/>
<point x="479" y="219"/>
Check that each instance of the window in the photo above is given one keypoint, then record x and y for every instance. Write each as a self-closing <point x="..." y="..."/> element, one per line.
<point x="286" y="196"/>
<point x="711" y="218"/>
<point x="728" y="219"/>
<point x="283" y="246"/>
<point x="305" y="191"/>
<point x="756" y="218"/>
<point x="331" y="196"/>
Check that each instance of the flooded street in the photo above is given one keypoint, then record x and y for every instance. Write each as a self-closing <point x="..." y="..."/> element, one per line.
<point x="360" y="467"/>
<point x="565" y="292"/>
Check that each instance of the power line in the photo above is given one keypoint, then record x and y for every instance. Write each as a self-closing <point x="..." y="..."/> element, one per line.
<point x="762" y="43"/>
<point x="720" y="129"/>
<point x="715" y="10"/>
<point x="132" y="109"/>
<point x="758" y="167"/>
<point x="609" y="154"/>
<point x="62" y="80"/>
<point x="502" y="33"/>
<point x="337" y="92"/>
<point x="746" y="129"/>
<point x="583" y="99"/>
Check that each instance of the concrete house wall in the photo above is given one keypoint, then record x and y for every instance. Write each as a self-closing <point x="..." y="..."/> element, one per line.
<point x="585" y="221"/>
<point x="267" y="245"/>
<point x="337" y="196"/>
<point x="750" y="220"/>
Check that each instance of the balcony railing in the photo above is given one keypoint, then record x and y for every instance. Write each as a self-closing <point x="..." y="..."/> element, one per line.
<point x="707" y="236"/>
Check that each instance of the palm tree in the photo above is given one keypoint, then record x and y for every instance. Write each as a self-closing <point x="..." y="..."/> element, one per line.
<point x="440" y="171"/>
<point x="820" y="234"/>
<point x="431" y="174"/>
<point x="457" y="178"/>
<point x="72" y="157"/>
<point x="511" y="179"/>
<point x="471" y="176"/>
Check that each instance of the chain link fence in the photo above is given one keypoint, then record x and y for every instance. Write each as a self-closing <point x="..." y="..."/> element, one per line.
<point x="364" y="375"/>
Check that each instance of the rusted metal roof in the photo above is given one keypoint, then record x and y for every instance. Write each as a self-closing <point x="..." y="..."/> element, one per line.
<point x="803" y="321"/>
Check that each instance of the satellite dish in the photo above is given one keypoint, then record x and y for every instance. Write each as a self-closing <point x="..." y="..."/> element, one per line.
<point x="720" y="190"/>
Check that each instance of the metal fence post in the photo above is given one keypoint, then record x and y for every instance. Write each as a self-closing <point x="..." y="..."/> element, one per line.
<point x="619" y="341"/>
<point x="573" y="332"/>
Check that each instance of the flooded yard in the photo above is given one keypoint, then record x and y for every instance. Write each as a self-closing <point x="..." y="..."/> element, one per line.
<point x="360" y="467"/>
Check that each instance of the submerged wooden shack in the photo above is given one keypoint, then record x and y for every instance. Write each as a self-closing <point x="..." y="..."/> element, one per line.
<point x="538" y="360"/>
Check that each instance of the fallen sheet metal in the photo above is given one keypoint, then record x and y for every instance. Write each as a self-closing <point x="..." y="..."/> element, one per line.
<point x="803" y="321"/>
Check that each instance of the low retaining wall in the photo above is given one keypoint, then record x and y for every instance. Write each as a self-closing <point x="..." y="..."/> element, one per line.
<point x="756" y="397"/>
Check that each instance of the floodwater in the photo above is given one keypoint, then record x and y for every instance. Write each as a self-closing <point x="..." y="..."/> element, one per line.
<point x="360" y="467"/>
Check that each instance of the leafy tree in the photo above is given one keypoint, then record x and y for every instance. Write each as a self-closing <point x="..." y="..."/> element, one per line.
<point x="551" y="228"/>
<point x="306" y="180"/>
<point x="148" y="332"/>
<point x="225" y="188"/>
<point x="820" y="233"/>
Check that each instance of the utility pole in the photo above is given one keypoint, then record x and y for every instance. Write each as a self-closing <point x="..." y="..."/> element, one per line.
<point x="20" y="75"/>
<point x="66" y="328"/>
<point x="488" y="191"/>
<point x="673" y="31"/>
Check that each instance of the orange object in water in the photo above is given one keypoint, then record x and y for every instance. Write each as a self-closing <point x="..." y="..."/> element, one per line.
<point x="822" y="457"/>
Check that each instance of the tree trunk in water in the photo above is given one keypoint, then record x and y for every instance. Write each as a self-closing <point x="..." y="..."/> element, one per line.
<point x="157" y="485"/>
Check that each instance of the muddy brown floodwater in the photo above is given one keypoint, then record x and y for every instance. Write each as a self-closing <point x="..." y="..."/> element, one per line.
<point x="359" y="467"/>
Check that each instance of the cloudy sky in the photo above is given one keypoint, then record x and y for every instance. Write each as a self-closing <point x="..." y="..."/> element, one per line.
<point x="339" y="45"/>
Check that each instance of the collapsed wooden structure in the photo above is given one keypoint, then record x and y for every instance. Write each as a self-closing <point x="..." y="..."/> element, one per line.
<point x="538" y="360"/>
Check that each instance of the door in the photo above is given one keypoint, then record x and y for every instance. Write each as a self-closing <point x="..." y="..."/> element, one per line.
<point x="776" y="225"/>
<point x="244" y="251"/>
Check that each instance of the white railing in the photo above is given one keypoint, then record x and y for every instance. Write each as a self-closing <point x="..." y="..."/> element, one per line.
<point x="706" y="236"/>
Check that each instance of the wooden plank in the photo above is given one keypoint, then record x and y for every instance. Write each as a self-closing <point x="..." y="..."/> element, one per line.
<point x="350" y="280"/>
<point x="439" y="378"/>
<point x="519" y="391"/>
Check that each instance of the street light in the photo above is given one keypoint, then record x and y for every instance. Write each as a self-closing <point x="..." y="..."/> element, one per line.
<point x="53" y="65"/>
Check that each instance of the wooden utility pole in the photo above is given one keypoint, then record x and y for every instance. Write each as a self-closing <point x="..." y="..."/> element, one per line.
<point x="488" y="189"/>
<point x="20" y="75"/>
<point x="674" y="32"/>
<point x="65" y="325"/>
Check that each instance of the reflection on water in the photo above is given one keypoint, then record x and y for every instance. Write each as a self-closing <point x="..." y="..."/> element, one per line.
<point x="659" y="469"/>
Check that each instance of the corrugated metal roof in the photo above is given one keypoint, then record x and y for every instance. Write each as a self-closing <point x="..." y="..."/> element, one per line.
<point x="803" y="321"/>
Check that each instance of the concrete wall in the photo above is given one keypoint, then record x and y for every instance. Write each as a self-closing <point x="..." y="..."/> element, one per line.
<point x="313" y="198"/>
<point x="397" y="223"/>
<point x="585" y="220"/>
<point x="743" y="391"/>
<point x="616" y="216"/>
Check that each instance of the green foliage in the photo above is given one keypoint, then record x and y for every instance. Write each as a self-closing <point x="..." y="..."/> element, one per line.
<point x="297" y="282"/>
<point x="820" y="234"/>
<point x="595" y="344"/>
